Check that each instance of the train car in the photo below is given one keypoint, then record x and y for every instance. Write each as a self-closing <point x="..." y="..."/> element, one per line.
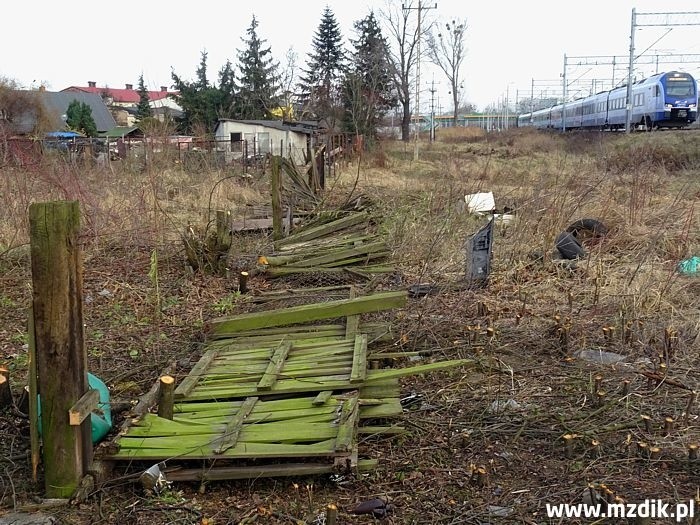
<point x="664" y="100"/>
<point x="525" y="120"/>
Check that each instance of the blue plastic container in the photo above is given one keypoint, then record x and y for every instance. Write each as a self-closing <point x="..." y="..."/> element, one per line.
<point x="101" y="419"/>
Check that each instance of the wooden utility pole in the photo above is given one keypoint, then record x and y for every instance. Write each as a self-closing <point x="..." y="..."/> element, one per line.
<point x="57" y="282"/>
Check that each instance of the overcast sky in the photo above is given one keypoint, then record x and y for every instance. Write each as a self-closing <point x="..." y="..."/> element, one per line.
<point x="509" y="42"/>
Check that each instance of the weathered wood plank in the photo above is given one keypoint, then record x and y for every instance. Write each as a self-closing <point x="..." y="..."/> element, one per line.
<point x="322" y="398"/>
<point x="262" y="471"/>
<point x="359" y="359"/>
<point x="135" y="448"/>
<point x="275" y="366"/>
<point x="83" y="407"/>
<point x="233" y="429"/>
<point x="197" y="371"/>
<point x="324" y="229"/>
<point x="347" y="427"/>
<point x="339" y="255"/>
<point x="311" y="312"/>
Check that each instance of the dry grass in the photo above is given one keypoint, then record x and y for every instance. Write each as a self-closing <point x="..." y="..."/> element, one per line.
<point x="523" y="329"/>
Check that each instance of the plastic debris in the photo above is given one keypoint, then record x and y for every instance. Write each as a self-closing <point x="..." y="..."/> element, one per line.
<point x="153" y="478"/>
<point x="377" y="507"/>
<point x="600" y="357"/>
<point x="480" y="202"/>
<point x="690" y="266"/>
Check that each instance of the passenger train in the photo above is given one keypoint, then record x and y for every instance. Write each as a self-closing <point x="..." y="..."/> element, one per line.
<point x="665" y="100"/>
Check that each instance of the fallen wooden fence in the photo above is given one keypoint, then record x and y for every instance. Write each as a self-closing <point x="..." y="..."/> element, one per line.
<point x="229" y="408"/>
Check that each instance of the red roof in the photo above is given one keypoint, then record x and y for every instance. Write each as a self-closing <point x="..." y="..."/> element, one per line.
<point x="121" y="95"/>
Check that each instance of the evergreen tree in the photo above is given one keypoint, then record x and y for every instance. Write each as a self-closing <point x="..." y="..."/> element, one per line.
<point x="204" y="103"/>
<point x="143" y="110"/>
<point x="368" y="87"/>
<point x="321" y="83"/>
<point x="257" y="81"/>
<point x="79" y="118"/>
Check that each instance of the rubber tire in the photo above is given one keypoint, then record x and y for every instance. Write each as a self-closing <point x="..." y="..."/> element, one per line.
<point x="593" y="226"/>
<point x="568" y="246"/>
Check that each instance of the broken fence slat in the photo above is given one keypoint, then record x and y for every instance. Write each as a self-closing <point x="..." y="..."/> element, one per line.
<point x="347" y="428"/>
<point x="83" y="407"/>
<point x="325" y="229"/>
<point x="275" y="366"/>
<point x="233" y="429"/>
<point x="359" y="359"/>
<point x="198" y="371"/>
<point x="322" y="398"/>
<point x="310" y="312"/>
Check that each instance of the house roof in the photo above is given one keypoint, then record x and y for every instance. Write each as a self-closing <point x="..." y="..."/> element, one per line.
<point x="119" y="132"/>
<point x="124" y="96"/>
<point x="56" y="104"/>
<point x="306" y="127"/>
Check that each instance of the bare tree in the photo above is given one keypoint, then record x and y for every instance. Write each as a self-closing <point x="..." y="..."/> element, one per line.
<point x="402" y="34"/>
<point x="288" y="79"/>
<point x="446" y="50"/>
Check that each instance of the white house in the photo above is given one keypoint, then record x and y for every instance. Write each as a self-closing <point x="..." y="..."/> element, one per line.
<point x="260" y="137"/>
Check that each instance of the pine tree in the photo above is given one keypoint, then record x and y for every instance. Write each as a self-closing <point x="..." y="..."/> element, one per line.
<point x="257" y="80"/>
<point x="204" y="103"/>
<point x="143" y="110"/>
<point x="368" y="88"/>
<point x="79" y="118"/>
<point x="321" y="83"/>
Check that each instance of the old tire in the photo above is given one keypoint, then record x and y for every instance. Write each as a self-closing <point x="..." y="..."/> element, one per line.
<point x="591" y="227"/>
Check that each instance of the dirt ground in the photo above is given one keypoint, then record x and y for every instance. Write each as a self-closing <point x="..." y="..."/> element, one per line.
<point x="531" y="423"/>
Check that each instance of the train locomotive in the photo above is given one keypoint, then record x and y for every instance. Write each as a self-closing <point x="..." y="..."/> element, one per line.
<point x="664" y="100"/>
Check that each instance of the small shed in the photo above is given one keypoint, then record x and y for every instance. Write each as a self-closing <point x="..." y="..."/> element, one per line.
<point x="239" y="138"/>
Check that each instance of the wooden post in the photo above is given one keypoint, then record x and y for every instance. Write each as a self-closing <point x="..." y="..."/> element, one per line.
<point x="57" y="282"/>
<point x="243" y="282"/>
<point x="276" y="191"/>
<point x="166" y="397"/>
<point x="5" y="391"/>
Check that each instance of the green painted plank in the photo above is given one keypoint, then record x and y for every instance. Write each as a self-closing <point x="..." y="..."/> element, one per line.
<point x="249" y="341"/>
<point x="359" y="359"/>
<point x="224" y="415"/>
<point x="233" y="428"/>
<point x="187" y="384"/>
<point x="260" y="407"/>
<point x="338" y="255"/>
<point x="311" y="312"/>
<point x="322" y="398"/>
<point x="135" y="449"/>
<point x="392" y="430"/>
<point x="311" y="374"/>
<point x="347" y="427"/>
<point x="391" y="407"/>
<point x="376" y="375"/>
<point x="324" y="229"/>
<point x="287" y="330"/>
<point x="269" y="378"/>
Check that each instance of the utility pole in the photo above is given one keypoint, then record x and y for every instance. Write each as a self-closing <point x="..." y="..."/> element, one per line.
<point x="432" y="110"/>
<point x="563" y="107"/>
<point x="630" y="71"/>
<point x="420" y="10"/>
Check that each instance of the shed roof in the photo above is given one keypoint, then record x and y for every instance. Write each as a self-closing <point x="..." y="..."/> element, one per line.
<point x="305" y="127"/>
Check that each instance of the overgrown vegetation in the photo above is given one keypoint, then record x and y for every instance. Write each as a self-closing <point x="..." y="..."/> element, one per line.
<point x="486" y="444"/>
